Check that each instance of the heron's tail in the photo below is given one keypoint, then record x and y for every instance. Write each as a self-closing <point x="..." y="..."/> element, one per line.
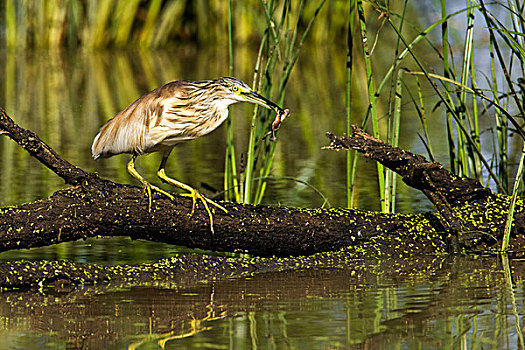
<point x="104" y="144"/>
<point x="119" y="135"/>
<point x="125" y="133"/>
<point x="95" y="148"/>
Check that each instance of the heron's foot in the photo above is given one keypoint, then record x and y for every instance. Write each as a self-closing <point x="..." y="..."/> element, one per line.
<point x="146" y="191"/>
<point x="194" y="194"/>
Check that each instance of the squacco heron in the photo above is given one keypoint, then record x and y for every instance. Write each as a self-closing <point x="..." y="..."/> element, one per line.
<point x="173" y="113"/>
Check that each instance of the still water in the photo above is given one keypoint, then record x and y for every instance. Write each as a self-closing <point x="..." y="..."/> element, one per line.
<point x="436" y="303"/>
<point x="425" y="303"/>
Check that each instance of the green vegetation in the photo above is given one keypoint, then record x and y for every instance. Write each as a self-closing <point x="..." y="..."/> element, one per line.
<point x="481" y="100"/>
<point x="153" y="24"/>
<point x="278" y="53"/>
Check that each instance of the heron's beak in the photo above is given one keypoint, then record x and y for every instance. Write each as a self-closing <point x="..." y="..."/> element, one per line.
<point x="256" y="98"/>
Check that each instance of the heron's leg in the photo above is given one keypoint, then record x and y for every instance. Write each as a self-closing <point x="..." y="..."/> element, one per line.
<point x="147" y="186"/>
<point x="192" y="192"/>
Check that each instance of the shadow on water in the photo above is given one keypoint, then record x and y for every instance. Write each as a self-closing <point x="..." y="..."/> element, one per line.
<point x="431" y="303"/>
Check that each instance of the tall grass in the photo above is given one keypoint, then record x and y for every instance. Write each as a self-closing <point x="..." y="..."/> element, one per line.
<point x="124" y="23"/>
<point x="496" y="108"/>
<point x="278" y="52"/>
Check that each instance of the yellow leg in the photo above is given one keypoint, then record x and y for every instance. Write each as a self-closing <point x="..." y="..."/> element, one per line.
<point x="193" y="193"/>
<point x="147" y="186"/>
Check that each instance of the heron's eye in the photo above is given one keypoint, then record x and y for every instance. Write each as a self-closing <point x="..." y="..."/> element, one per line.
<point x="235" y="88"/>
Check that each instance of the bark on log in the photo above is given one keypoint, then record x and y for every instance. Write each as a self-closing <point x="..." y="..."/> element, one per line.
<point x="442" y="188"/>
<point x="94" y="206"/>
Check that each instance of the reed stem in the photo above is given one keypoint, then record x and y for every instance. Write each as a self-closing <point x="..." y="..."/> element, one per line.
<point x="372" y="108"/>
<point x="350" y="164"/>
<point x="230" y="167"/>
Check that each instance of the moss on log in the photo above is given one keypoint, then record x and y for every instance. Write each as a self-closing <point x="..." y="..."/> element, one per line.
<point x="469" y="217"/>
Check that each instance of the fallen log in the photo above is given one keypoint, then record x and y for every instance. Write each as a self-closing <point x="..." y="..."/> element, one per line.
<point x="470" y="217"/>
<point x="94" y="206"/>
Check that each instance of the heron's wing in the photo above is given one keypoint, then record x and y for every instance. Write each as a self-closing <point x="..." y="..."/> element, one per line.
<point x="127" y="132"/>
<point x="188" y="112"/>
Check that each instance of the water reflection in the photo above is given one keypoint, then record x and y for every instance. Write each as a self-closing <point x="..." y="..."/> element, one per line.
<point x="106" y="251"/>
<point x="431" y="303"/>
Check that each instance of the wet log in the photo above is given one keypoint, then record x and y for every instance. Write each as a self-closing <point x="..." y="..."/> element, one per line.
<point x="93" y="206"/>
<point x="470" y="217"/>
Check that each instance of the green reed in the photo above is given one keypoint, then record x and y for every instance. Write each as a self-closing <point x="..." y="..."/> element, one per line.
<point x="514" y="198"/>
<point x="291" y="54"/>
<point x="372" y="98"/>
<point x="393" y="139"/>
<point x="466" y="106"/>
<point x="351" y="156"/>
<point x="394" y="124"/>
<point x="446" y="74"/>
<point x="281" y="43"/>
<point x="230" y="168"/>
<point x="154" y="23"/>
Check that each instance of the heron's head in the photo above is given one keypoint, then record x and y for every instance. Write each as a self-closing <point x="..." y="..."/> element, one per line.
<point x="237" y="90"/>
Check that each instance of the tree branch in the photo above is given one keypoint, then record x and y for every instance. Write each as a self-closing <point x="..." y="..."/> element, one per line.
<point x="93" y="206"/>
<point x="415" y="170"/>
<point x="441" y="187"/>
<point x="43" y="153"/>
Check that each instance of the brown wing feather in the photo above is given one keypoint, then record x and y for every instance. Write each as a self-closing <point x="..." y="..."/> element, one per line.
<point x="127" y="131"/>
